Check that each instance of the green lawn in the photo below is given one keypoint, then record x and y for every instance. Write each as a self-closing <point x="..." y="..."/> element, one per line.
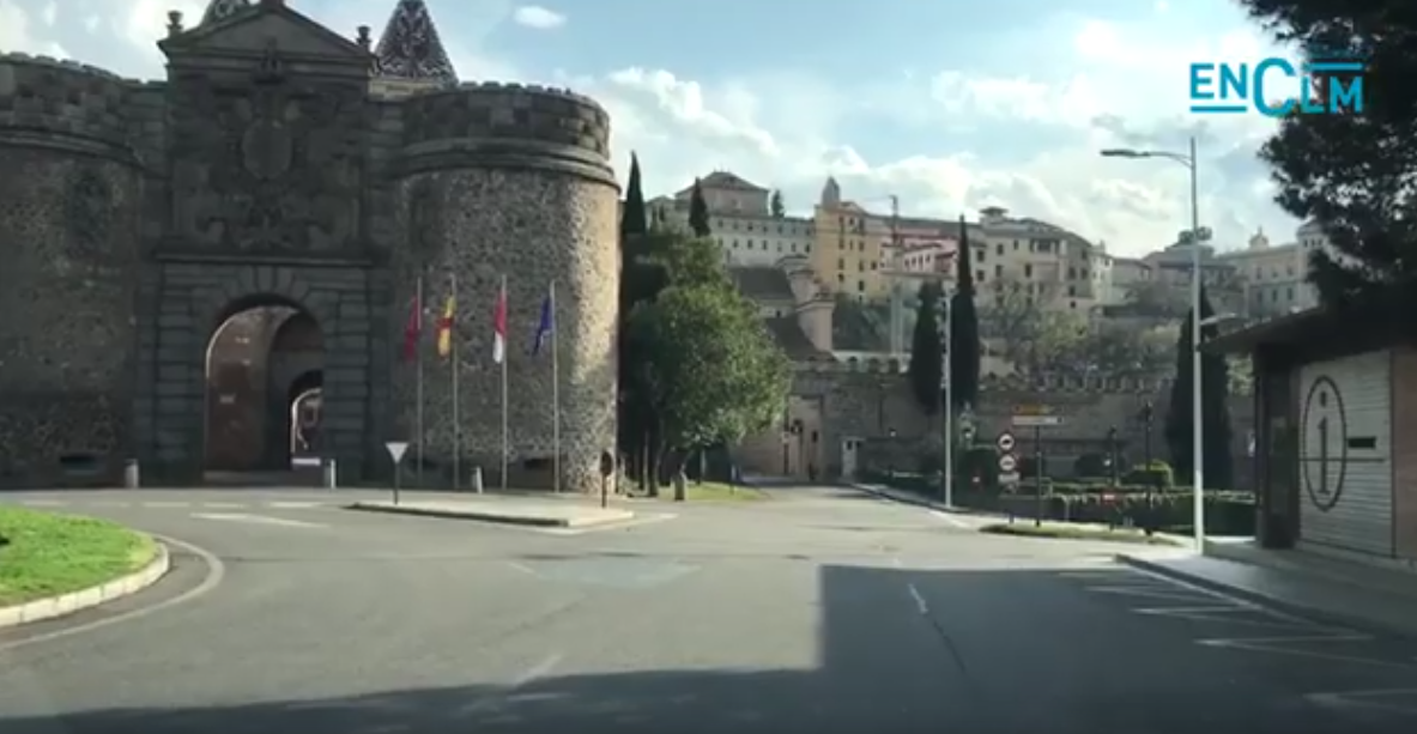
<point x="713" y="492"/>
<point x="1067" y="531"/>
<point x="43" y="554"/>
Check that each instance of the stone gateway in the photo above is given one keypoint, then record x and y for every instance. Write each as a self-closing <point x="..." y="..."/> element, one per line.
<point x="219" y="271"/>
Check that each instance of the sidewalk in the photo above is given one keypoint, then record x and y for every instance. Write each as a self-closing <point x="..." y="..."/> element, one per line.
<point x="507" y="510"/>
<point x="1337" y="591"/>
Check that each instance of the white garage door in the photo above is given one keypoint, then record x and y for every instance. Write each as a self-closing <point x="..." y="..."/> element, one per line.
<point x="1345" y="470"/>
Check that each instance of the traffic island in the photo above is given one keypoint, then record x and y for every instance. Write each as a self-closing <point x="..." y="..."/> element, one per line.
<point x="505" y="512"/>
<point x="52" y="565"/>
<point x="1077" y="531"/>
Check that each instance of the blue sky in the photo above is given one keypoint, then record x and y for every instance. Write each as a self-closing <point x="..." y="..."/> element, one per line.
<point x="951" y="106"/>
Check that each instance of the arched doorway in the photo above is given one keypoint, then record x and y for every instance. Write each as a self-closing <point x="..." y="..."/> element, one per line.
<point x="257" y="355"/>
<point x="303" y="403"/>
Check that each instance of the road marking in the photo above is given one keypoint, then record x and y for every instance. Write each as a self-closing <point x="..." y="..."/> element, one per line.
<point x="493" y="700"/>
<point x="165" y="504"/>
<point x="1275" y="645"/>
<point x="920" y="605"/>
<point x="1191" y="610"/>
<point x="951" y="519"/>
<point x="1352" y="700"/>
<point x="216" y="572"/>
<point x="216" y="505"/>
<point x="1268" y="620"/>
<point x="296" y="505"/>
<point x="631" y="523"/>
<point x="43" y="503"/>
<point x="256" y="519"/>
<point x="1150" y="592"/>
<point x="528" y="570"/>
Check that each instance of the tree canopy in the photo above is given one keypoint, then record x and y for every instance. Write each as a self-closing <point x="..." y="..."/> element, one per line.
<point x="1353" y="172"/>
<point x="964" y="328"/>
<point x="633" y="220"/>
<point x="927" y="360"/>
<point x="698" y="212"/>
<point x="1217" y="459"/>
<point x="775" y="204"/>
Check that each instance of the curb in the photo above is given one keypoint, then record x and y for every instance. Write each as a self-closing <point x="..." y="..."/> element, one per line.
<point x="1284" y="606"/>
<point x="922" y="502"/>
<point x="77" y="601"/>
<point x="491" y="517"/>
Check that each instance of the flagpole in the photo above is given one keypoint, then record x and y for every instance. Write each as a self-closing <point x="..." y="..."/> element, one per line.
<point x="555" y="395"/>
<point x="418" y="381"/>
<point x="506" y="440"/>
<point x="453" y="370"/>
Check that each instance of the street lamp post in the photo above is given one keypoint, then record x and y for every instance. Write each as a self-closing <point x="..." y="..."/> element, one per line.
<point x="947" y="401"/>
<point x="1188" y="159"/>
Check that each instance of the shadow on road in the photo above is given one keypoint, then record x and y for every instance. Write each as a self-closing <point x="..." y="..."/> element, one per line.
<point x="900" y="650"/>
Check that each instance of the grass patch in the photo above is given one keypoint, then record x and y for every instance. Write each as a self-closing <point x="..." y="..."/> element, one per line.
<point x="44" y="554"/>
<point x="1065" y="531"/>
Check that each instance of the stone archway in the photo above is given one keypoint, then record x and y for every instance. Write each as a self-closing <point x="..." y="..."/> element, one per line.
<point x="260" y="347"/>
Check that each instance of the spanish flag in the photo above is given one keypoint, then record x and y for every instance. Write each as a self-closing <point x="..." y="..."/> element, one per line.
<point x="445" y="328"/>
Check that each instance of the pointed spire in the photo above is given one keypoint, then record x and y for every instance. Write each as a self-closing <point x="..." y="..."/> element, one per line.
<point x="410" y="48"/>
<point x="219" y="10"/>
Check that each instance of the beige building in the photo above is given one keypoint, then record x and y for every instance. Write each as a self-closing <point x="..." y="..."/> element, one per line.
<point x="741" y="220"/>
<point x="1273" y="277"/>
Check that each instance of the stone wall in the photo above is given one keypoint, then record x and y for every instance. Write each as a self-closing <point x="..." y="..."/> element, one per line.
<point x="69" y="209"/>
<point x="872" y="403"/>
<point x="509" y="181"/>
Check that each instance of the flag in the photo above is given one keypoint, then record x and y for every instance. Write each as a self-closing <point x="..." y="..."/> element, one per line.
<point x="445" y="328"/>
<point x="412" y="330"/>
<point x="499" y="327"/>
<point x="543" y="327"/>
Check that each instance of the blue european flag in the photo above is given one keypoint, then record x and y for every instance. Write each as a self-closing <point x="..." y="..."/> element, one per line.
<point x="543" y="327"/>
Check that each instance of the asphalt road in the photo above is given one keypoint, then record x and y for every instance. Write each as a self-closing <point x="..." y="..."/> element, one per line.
<point x="823" y="609"/>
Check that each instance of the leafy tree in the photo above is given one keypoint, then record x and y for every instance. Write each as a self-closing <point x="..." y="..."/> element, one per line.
<point x="1024" y="327"/>
<point x="1216" y="457"/>
<point x="964" y="329"/>
<point x="633" y="221"/>
<point x="778" y="210"/>
<point x="1122" y="350"/>
<point x="926" y="350"/>
<point x="698" y="212"/>
<point x="711" y="371"/>
<point x="1353" y="172"/>
<point x="1158" y="299"/>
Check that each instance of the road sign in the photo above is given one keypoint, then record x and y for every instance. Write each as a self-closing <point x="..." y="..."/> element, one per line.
<point x="1005" y="442"/>
<point x="397" y="449"/>
<point x="1037" y="421"/>
<point x="1008" y="464"/>
<point x="1009" y="478"/>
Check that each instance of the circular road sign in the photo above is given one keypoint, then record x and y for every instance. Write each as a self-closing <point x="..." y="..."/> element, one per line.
<point x="1005" y="442"/>
<point x="1007" y="463"/>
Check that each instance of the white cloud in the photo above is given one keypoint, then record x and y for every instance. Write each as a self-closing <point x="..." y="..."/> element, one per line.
<point x="535" y="16"/>
<point x="17" y="33"/>
<point x="1121" y="87"/>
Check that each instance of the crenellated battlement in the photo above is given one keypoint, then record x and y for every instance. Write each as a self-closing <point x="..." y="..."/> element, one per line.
<point x="54" y="103"/>
<point x="490" y="124"/>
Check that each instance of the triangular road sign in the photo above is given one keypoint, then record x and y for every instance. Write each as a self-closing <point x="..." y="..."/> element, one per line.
<point x="397" y="449"/>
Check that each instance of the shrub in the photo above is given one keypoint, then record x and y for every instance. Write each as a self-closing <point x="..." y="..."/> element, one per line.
<point x="1157" y="474"/>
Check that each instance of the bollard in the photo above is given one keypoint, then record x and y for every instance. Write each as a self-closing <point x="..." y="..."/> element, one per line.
<point x="131" y="478"/>
<point x="330" y="480"/>
<point x="477" y="479"/>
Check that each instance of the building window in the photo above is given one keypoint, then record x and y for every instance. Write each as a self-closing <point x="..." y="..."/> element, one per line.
<point x="999" y="249"/>
<point x="841" y="278"/>
<point x="1027" y="271"/>
<point x="998" y="271"/>
<point x="860" y="286"/>
<point x="979" y="276"/>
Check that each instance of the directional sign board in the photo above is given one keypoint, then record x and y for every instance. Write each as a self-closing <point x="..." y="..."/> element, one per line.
<point x="1008" y="464"/>
<point x="1009" y="478"/>
<point x="1037" y="421"/>
<point x="397" y="449"/>
<point x="1005" y="442"/>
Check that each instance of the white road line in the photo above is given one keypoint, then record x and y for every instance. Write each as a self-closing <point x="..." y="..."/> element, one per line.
<point x="295" y="505"/>
<point x="631" y="523"/>
<point x="920" y="605"/>
<point x="256" y="519"/>
<point x="1273" y="645"/>
<point x="1267" y="620"/>
<point x="1353" y="700"/>
<point x="493" y="700"/>
<point x="216" y="572"/>
<point x="951" y="519"/>
<point x="221" y="505"/>
<point x="1150" y="592"/>
<point x="110" y="503"/>
<point x="528" y="570"/>
<point x="43" y="503"/>
<point x="1193" y="610"/>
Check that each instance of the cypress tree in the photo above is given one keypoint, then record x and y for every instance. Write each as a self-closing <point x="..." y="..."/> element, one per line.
<point x="926" y="350"/>
<point x="1217" y="459"/>
<point x="964" y="328"/>
<point x="633" y="221"/>
<point x="698" y="212"/>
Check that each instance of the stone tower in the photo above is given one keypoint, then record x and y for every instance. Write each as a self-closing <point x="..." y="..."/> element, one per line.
<point x="283" y="165"/>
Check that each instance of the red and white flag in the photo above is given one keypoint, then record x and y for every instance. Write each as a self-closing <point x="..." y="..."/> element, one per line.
<point x="499" y="327"/>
